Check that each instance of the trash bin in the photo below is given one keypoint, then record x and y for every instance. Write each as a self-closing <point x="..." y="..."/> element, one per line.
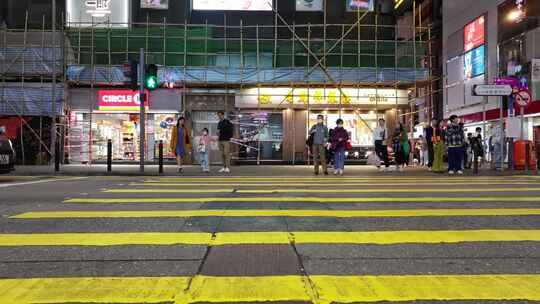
<point x="520" y="154"/>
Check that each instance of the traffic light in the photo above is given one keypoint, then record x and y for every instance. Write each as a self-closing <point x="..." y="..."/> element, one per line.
<point x="151" y="79"/>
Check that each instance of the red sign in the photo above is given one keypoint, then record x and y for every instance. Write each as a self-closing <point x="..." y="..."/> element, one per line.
<point x="474" y="34"/>
<point x="523" y="98"/>
<point x="121" y="100"/>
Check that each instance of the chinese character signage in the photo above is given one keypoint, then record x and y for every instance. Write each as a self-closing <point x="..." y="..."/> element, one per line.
<point x="301" y="97"/>
<point x="155" y="4"/>
<point x="120" y="100"/>
<point x="474" y="34"/>
<point x="474" y="62"/>
<point x="231" y="5"/>
<point x="309" y="5"/>
<point x="86" y="13"/>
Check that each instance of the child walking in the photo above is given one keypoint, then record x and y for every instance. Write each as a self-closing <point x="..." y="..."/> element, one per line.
<point x="204" y="150"/>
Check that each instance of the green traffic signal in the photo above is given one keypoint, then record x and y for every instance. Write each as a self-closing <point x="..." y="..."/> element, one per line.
<point x="151" y="82"/>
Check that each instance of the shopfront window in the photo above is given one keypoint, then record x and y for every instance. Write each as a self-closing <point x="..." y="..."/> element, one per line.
<point x="89" y="134"/>
<point x="354" y="122"/>
<point x="261" y="135"/>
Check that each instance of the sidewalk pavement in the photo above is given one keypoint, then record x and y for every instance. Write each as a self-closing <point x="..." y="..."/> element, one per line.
<point x="263" y="170"/>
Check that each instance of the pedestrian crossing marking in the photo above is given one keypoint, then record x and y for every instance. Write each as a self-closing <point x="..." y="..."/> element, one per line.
<point x="342" y="178"/>
<point x="321" y="184"/>
<point x="279" y="213"/>
<point x="368" y="190"/>
<point x="279" y="237"/>
<point x="330" y="200"/>
<point x="320" y="289"/>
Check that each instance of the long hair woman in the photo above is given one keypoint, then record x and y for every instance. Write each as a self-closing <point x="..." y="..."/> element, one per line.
<point x="439" y="147"/>
<point x="180" y="142"/>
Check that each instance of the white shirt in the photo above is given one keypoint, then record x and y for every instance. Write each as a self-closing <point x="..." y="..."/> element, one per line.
<point x="380" y="133"/>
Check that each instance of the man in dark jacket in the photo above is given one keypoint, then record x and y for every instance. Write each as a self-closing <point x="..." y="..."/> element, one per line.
<point x="225" y="133"/>
<point x="455" y="140"/>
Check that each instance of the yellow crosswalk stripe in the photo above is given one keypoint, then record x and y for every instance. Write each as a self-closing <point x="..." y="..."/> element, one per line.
<point x="276" y="213"/>
<point x="323" y="184"/>
<point x="293" y="199"/>
<point x="242" y="238"/>
<point x="348" y="190"/>
<point x="318" y="289"/>
<point x="342" y="178"/>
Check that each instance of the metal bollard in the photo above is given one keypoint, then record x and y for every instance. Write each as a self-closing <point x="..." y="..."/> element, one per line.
<point x="160" y="155"/>
<point x="109" y="155"/>
<point x="527" y="155"/>
<point x="57" y="156"/>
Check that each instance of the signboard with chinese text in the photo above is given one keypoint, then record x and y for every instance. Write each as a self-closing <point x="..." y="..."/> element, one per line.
<point x="474" y="34"/>
<point x="86" y="13"/>
<point x="120" y="100"/>
<point x="298" y="97"/>
<point x="231" y="5"/>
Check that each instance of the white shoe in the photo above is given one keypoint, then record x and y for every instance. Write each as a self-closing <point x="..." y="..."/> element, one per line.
<point x="336" y="172"/>
<point x="227" y="170"/>
<point x="451" y="172"/>
<point x="340" y="172"/>
<point x="222" y="170"/>
<point x="460" y="172"/>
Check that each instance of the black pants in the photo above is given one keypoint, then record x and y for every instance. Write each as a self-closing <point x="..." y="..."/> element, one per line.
<point x="382" y="152"/>
<point x="431" y="154"/>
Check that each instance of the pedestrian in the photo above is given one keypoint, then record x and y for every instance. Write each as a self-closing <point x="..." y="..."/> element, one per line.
<point x="320" y="140"/>
<point x="339" y="140"/>
<point x="429" y="134"/>
<point x="468" y="155"/>
<point x="423" y="151"/>
<point x="401" y="148"/>
<point x="203" y="148"/>
<point x="225" y="133"/>
<point x="477" y="147"/>
<point x="498" y="142"/>
<point x="455" y="140"/>
<point x="381" y="149"/>
<point x="439" y="147"/>
<point x="180" y="142"/>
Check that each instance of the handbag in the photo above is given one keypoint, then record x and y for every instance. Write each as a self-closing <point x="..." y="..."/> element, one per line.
<point x="201" y="148"/>
<point x="348" y="146"/>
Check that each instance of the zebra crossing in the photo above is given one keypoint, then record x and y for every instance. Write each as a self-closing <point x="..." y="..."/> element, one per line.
<point x="282" y="239"/>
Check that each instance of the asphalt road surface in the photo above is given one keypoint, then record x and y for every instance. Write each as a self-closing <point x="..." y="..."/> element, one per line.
<point x="388" y="239"/>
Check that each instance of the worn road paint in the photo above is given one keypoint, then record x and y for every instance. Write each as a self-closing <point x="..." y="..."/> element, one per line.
<point x="243" y="238"/>
<point x="277" y="213"/>
<point x="334" y="200"/>
<point x="320" y="289"/>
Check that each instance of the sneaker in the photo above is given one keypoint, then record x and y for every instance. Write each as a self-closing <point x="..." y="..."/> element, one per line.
<point x="460" y="172"/>
<point x="336" y="172"/>
<point x="340" y="172"/>
<point x="451" y="172"/>
<point x="222" y="170"/>
<point x="227" y="170"/>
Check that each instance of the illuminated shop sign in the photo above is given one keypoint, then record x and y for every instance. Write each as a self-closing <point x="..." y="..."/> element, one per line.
<point x="155" y="4"/>
<point x="309" y="5"/>
<point x="98" y="13"/>
<point x="286" y="97"/>
<point x="231" y="5"/>
<point x="120" y="100"/>
<point x="360" y="5"/>
<point x="473" y="62"/>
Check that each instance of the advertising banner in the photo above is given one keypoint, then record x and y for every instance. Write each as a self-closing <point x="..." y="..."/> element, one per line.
<point x="309" y="5"/>
<point x="474" y="34"/>
<point x="120" y="100"/>
<point x="474" y="62"/>
<point x="231" y="5"/>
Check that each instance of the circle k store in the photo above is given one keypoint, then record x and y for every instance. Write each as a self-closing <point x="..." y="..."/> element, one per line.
<point x="97" y="115"/>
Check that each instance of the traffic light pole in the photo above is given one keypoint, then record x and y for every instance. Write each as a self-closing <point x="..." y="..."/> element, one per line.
<point x="142" y="97"/>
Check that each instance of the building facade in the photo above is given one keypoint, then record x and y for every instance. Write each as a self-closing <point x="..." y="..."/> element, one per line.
<point x="488" y="42"/>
